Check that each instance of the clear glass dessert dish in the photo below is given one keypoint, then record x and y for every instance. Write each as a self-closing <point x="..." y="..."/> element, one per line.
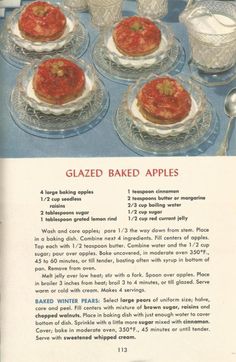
<point x="198" y="105"/>
<point x="37" y="46"/>
<point x="25" y="87"/>
<point x="190" y="143"/>
<point x="211" y="27"/>
<point x="111" y="51"/>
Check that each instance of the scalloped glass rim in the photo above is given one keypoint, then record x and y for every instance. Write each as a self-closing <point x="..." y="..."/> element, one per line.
<point x="19" y="57"/>
<point x="26" y="74"/>
<point x="36" y="45"/>
<point x="173" y="64"/>
<point x="167" y="130"/>
<point x="156" y="56"/>
<point x="196" y="141"/>
<point x="62" y="126"/>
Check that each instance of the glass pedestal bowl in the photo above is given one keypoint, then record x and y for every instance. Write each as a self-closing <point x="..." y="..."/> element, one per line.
<point x="19" y="51"/>
<point x="37" y="46"/>
<point x="45" y="120"/>
<point x="145" y="61"/>
<point x="198" y="104"/>
<point x="25" y="85"/>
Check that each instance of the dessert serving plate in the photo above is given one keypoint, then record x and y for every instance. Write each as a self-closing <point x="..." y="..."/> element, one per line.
<point x="25" y="84"/>
<point x="190" y="143"/>
<point x="191" y="136"/>
<point x="19" y="51"/>
<point x="37" y="46"/>
<point x="145" y="61"/>
<point x="198" y="104"/>
<point x="58" y="121"/>
<point x="169" y="57"/>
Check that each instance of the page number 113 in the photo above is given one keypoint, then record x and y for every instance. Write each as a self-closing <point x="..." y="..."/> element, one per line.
<point x="122" y="349"/>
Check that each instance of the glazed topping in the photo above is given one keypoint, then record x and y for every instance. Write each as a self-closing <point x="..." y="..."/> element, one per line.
<point x="136" y="26"/>
<point x="58" y="78"/>
<point x="166" y="88"/>
<point x="40" y="10"/>
<point x="42" y="21"/>
<point x="136" y="35"/>
<point x="165" y="98"/>
<point x="57" y="69"/>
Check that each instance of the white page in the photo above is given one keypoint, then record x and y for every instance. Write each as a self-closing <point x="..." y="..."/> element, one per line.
<point x="189" y="306"/>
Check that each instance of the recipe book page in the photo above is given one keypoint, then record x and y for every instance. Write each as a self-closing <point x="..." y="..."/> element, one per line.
<point x="118" y="259"/>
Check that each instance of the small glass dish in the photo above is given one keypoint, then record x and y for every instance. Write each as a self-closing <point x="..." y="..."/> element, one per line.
<point x="25" y="80"/>
<point x="144" y="125"/>
<point x="167" y="41"/>
<point x="36" y="46"/>
<point x="19" y="57"/>
<point x="173" y="64"/>
<point x="193" y="142"/>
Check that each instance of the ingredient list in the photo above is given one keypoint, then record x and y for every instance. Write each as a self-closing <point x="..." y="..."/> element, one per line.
<point x="139" y="264"/>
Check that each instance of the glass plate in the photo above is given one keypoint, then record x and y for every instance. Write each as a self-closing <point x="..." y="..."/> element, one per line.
<point x="198" y="104"/>
<point x="172" y="63"/>
<point x="112" y="52"/>
<point x="59" y="126"/>
<point x="190" y="143"/>
<point x="211" y="79"/>
<point x="13" y="30"/>
<point x="19" y="56"/>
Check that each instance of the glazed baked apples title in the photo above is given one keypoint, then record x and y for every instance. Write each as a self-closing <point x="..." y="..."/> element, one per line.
<point x="123" y="172"/>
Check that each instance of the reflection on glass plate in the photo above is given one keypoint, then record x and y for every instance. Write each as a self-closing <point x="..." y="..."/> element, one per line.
<point x="172" y="63"/>
<point x="211" y="79"/>
<point x="18" y="51"/>
<point x="193" y="141"/>
<point x="44" y="125"/>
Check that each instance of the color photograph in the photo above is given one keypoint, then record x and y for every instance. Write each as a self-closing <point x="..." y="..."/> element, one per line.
<point x="117" y="78"/>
